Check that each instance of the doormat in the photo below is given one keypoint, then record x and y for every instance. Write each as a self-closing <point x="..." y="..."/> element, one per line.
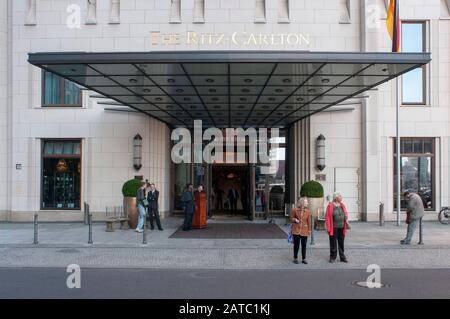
<point x="233" y="231"/>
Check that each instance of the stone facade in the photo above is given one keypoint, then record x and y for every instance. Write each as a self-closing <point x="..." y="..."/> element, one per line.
<point x="359" y="138"/>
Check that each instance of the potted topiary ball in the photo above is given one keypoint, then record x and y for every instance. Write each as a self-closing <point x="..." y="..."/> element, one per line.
<point x="129" y="191"/>
<point x="314" y="192"/>
<point x="276" y="196"/>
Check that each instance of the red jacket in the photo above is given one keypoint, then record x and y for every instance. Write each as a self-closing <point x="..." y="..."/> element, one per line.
<point x="329" y="218"/>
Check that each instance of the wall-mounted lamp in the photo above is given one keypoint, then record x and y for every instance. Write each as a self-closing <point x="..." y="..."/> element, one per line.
<point x="320" y="152"/>
<point x="137" y="152"/>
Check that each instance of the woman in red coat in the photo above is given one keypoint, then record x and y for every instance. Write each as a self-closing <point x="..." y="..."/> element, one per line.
<point x="336" y="219"/>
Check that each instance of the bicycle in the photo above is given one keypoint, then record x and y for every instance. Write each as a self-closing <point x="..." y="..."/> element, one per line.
<point x="444" y="215"/>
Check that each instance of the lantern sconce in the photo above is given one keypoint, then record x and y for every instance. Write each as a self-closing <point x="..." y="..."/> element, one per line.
<point x="137" y="152"/>
<point x="320" y="152"/>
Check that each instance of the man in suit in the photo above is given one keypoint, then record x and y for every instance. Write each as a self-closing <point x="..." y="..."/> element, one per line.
<point x="153" y="212"/>
<point x="188" y="202"/>
<point x="233" y="196"/>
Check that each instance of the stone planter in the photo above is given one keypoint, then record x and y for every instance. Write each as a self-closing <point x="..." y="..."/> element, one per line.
<point x="276" y="201"/>
<point x="130" y="210"/>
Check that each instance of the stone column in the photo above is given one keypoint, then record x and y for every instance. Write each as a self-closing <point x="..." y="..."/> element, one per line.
<point x="30" y="18"/>
<point x="91" y="12"/>
<point x="175" y="11"/>
<point x="344" y="11"/>
<point x="260" y="11"/>
<point x="199" y="11"/>
<point x="114" y="15"/>
<point x="283" y="11"/>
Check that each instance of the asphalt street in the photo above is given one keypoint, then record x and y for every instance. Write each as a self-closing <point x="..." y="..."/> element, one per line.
<point x="224" y="284"/>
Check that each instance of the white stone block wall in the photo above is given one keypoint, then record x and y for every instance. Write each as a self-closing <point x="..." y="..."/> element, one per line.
<point x="3" y="109"/>
<point x="431" y="120"/>
<point x="342" y="131"/>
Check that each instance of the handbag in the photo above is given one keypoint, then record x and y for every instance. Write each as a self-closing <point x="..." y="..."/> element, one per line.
<point x="145" y="202"/>
<point x="408" y="217"/>
<point x="290" y="238"/>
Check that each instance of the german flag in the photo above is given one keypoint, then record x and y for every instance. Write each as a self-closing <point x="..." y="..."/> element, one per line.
<point x="393" y="24"/>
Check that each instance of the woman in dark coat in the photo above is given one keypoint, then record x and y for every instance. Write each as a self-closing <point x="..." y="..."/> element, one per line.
<point x="188" y="203"/>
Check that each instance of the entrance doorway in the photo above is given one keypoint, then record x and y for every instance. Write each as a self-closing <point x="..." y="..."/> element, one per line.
<point x="230" y="191"/>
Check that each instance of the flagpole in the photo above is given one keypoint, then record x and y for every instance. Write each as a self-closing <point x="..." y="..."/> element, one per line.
<point x="397" y="107"/>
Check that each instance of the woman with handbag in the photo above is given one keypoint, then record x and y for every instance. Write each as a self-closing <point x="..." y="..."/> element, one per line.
<point x="336" y="223"/>
<point x="301" y="228"/>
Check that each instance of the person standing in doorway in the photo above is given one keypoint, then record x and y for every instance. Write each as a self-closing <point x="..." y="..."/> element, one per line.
<point x="188" y="202"/>
<point x="142" y="209"/>
<point x="336" y="218"/>
<point x="301" y="228"/>
<point x="263" y="200"/>
<point x="153" y="212"/>
<point x="416" y="212"/>
<point x="233" y="196"/>
<point x="244" y="198"/>
<point x="219" y="196"/>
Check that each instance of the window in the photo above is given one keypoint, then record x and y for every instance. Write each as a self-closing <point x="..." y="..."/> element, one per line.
<point x="414" y="82"/>
<point x="182" y="177"/>
<point x="61" y="174"/>
<point x="416" y="169"/>
<point x="272" y="176"/>
<point x="59" y="92"/>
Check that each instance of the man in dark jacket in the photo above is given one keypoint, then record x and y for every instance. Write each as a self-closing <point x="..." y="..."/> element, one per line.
<point x="152" y="197"/>
<point x="233" y="196"/>
<point x="188" y="203"/>
<point x="416" y="212"/>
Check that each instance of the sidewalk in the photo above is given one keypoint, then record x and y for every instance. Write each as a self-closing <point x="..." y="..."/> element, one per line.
<point x="366" y="243"/>
<point x="361" y="235"/>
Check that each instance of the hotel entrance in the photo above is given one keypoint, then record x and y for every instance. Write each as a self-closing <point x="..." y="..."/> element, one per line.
<point x="230" y="185"/>
<point x="239" y="189"/>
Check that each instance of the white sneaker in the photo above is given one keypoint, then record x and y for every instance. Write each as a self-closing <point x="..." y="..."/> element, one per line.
<point x="139" y="230"/>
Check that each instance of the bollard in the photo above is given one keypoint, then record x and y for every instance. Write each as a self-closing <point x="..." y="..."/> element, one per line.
<point x="90" y="229"/>
<point x="35" y="241"/>
<point x="312" y="230"/>
<point x="420" y="232"/>
<point x="381" y="214"/>
<point x="144" y="235"/>
<point x="86" y="208"/>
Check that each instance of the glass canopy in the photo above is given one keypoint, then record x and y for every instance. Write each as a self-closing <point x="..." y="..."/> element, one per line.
<point x="229" y="89"/>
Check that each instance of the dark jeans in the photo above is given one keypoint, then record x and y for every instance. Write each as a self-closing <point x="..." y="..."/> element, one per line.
<point x="297" y="240"/>
<point x="187" y="225"/>
<point x="337" y="242"/>
<point x="153" y="213"/>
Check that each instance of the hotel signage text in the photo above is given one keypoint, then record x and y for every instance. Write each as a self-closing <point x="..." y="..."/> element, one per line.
<point x="238" y="38"/>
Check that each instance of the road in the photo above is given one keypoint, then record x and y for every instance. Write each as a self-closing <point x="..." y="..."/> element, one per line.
<point x="225" y="284"/>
